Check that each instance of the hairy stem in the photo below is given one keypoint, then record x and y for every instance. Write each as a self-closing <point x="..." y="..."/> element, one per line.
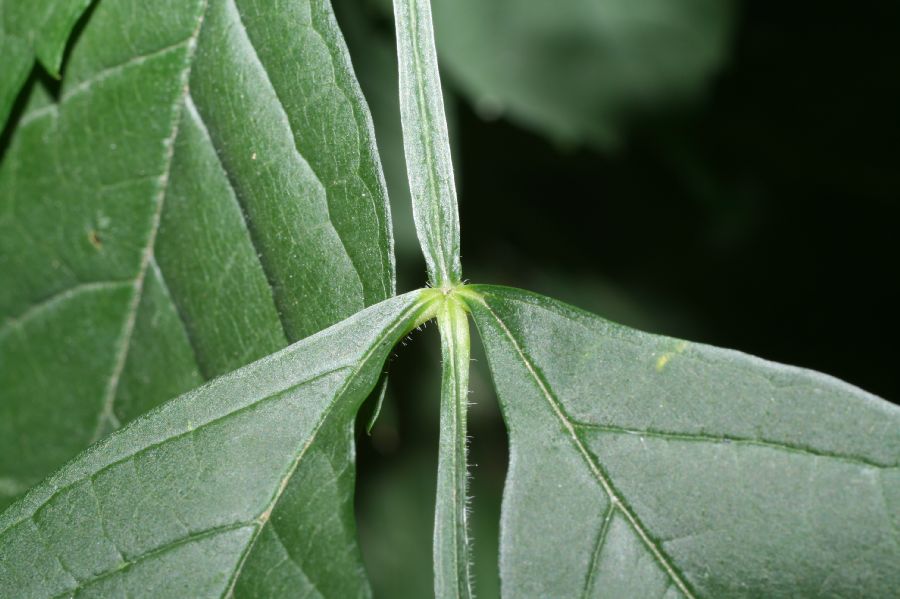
<point x="452" y="578"/>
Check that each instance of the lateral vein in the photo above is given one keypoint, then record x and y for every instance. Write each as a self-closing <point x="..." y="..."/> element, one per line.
<point x="40" y="307"/>
<point x="184" y="434"/>
<point x="735" y="440"/>
<point x="598" y="548"/>
<point x="567" y="424"/>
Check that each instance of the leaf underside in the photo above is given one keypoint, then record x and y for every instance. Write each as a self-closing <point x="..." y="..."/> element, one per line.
<point x="232" y="487"/>
<point x="204" y="191"/>
<point x="662" y="468"/>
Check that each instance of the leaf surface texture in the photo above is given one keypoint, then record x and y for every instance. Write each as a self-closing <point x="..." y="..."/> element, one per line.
<point x="233" y="487"/>
<point x="644" y="466"/>
<point x="204" y="191"/>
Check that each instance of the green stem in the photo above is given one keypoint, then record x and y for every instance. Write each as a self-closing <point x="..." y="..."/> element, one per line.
<point x="452" y="578"/>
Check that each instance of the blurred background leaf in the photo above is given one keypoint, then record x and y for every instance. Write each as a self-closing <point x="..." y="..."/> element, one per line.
<point x="579" y="70"/>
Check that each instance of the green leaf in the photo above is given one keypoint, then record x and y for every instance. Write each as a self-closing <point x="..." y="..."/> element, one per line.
<point x="204" y="191"/>
<point x="28" y="30"/>
<point x="228" y="488"/>
<point x="580" y="69"/>
<point x="426" y="143"/>
<point x="645" y="466"/>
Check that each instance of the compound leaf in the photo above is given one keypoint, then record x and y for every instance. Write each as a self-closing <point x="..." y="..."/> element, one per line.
<point x="644" y="466"/>
<point x="233" y="487"/>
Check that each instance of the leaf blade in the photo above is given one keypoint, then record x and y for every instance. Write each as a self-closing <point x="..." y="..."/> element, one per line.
<point x="29" y="31"/>
<point x="245" y="256"/>
<point x="264" y="417"/>
<point x="102" y="233"/>
<point x="649" y="511"/>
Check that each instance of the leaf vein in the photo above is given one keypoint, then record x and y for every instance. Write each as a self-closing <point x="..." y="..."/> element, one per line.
<point x="598" y="548"/>
<point x="257" y="251"/>
<point x="192" y="343"/>
<point x="114" y="70"/>
<point x="436" y="236"/>
<point x="54" y="300"/>
<point x="735" y="440"/>
<point x="203" y="534"/>
<point x="49" y="549"/>
<point x="102" y="520"/>
<point x="190" y="431"/>
<point x="107" y="413"/>
<point x="353" y="103"/>
<point x="592" y="464"/>
<point x="289" y="558"/>
<point x="187" y="331"/>
<point x="264" y="516"/>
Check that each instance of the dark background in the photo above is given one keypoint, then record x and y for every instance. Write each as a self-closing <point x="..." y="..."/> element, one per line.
<point x="762" y="218"/>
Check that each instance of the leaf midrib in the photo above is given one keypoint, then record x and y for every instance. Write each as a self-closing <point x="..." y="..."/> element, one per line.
<point x="263" y="518"/>
<point x="615" y="499"/>
<point x="107" y="411"/>
<point x="388" y="332"/>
